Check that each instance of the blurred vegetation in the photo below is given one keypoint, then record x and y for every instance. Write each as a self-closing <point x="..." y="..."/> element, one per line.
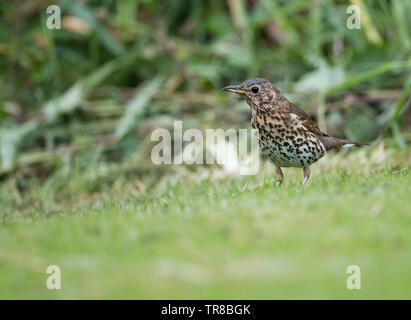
<point x="92" y="92"/>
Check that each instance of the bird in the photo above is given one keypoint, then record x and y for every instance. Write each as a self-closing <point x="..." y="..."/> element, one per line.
<point x="287" y="136"/>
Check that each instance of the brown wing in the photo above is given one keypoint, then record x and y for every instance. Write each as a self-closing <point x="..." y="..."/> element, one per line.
<point x="328" y="141"/>
<point x="309" y="124"/>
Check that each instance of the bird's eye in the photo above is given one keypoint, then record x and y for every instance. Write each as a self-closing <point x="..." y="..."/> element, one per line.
<point x="255" y="89"/>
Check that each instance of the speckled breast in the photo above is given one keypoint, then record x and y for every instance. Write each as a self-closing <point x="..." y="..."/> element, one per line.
<point x="286" y="143"/>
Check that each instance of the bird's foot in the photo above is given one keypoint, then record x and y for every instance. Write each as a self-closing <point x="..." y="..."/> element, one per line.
<point x="279" y="175"/>
<point x="306" y="174"/>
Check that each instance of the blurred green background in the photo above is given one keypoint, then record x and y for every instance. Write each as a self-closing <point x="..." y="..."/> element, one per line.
<point x="117" y="69"/>
<point x="78" y="105"/>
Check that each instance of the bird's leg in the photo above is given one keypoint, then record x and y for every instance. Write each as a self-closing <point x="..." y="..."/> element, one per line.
<point x="306" y="174"/>
<point x="280" y="176"/>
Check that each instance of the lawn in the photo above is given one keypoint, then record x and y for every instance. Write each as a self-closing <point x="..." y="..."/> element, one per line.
<point x="232" y="237"/>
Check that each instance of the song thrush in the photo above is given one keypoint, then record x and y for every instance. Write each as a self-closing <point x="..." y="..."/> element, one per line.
<point x="287" y="135"/>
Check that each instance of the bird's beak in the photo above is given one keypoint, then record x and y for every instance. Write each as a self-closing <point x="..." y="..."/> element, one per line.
<point x="236" y="89"/>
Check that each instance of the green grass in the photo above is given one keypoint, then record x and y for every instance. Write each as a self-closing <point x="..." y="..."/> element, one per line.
<point x="236" y="237"/>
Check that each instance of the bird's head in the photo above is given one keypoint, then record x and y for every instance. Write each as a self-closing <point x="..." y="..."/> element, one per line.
<point x="257" y="91"/>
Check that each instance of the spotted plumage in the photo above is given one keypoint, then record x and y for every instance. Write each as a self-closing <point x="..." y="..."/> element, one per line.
<point x="287" y="135"/>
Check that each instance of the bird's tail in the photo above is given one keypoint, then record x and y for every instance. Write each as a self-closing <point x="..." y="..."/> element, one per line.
<point x="337" y="143"/>
<point x="349" y="143"/>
